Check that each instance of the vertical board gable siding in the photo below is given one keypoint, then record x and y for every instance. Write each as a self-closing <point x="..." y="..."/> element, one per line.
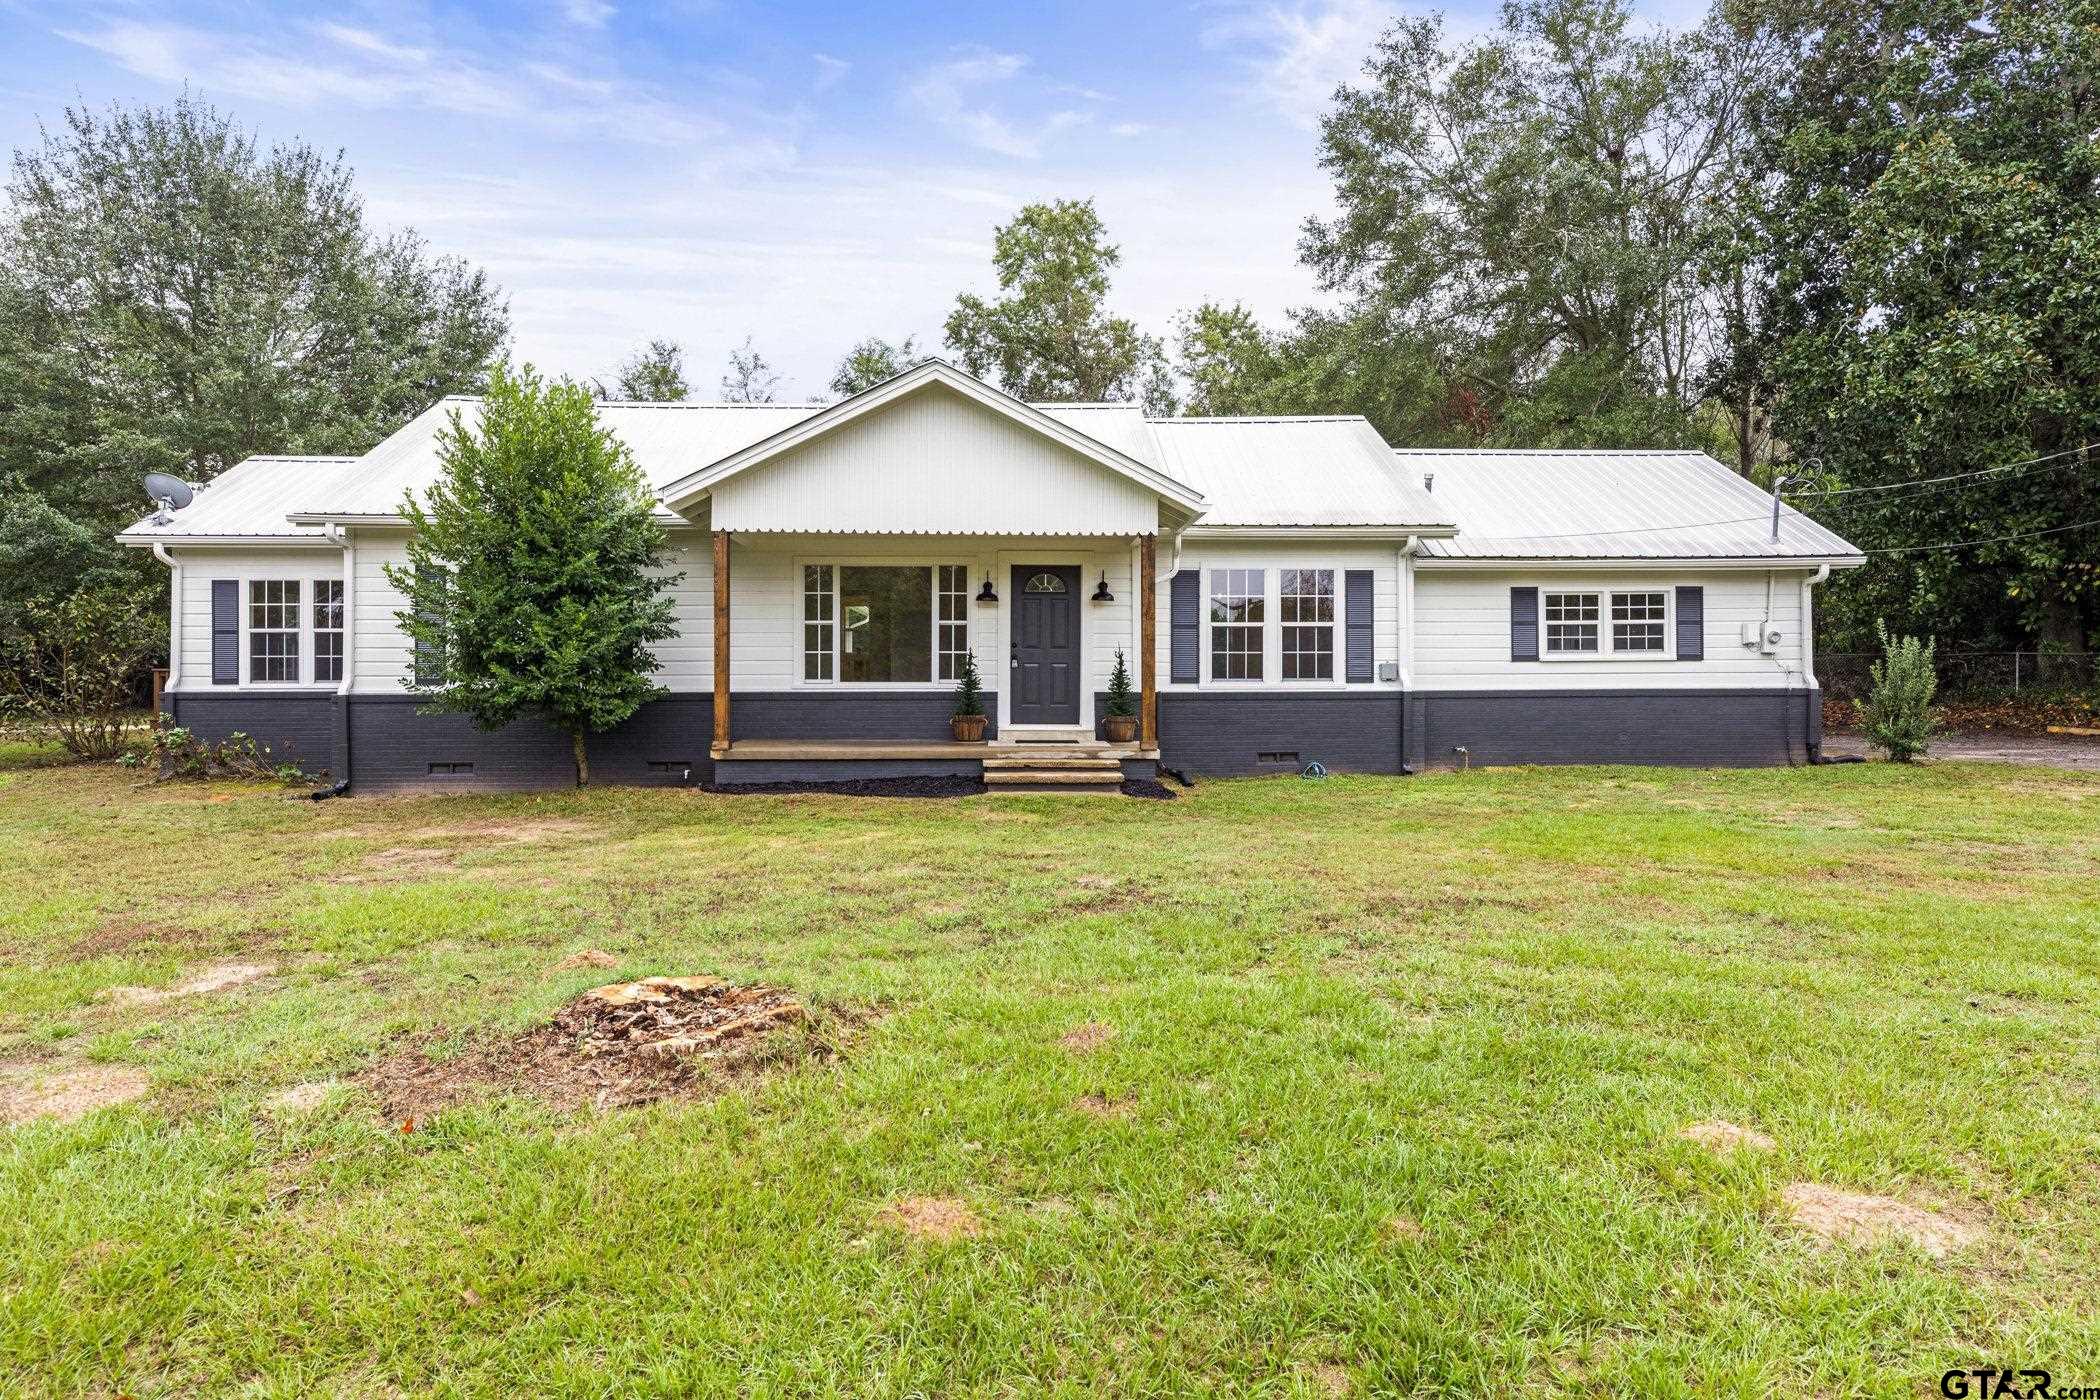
<point x="1523" y="624"/>
<point x="1691" y="624"/>
<point x="225" y="631"/>
<point x="934" y="464"/>
<point x="1359" y="624"/>
<point x="1185" y="630"/>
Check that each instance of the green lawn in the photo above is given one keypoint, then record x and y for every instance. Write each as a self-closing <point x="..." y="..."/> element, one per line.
<point x="1398" y="1072"/>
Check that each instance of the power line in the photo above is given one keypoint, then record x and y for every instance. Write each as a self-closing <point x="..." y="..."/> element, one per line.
<point x="1996" y="539"/>
<point x="1956" y="476"/>
<point x="1962" y="485"/>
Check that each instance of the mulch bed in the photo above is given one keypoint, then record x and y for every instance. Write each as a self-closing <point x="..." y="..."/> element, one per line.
<point x="614" y="1046"/>
<point x="2006" y="715"/>
<point x="863" y="787"/>
<point x="1148" y="787"/>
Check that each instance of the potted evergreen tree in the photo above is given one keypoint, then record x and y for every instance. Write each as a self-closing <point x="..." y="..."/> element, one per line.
<point x="1120" y="724"/>
<point x="967" y="724"/>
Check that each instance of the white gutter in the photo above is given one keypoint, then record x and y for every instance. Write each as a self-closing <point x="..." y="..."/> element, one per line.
<point x="160" y="552"/>
<point x="1174" y="564"/>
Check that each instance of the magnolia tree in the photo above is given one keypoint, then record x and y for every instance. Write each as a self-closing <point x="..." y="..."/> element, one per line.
<point x="535" y="580"/>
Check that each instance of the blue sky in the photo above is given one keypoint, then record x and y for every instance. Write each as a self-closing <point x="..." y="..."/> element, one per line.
<point x="803" y="174"/>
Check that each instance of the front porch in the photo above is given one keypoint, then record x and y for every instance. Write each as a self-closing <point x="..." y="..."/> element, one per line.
<point x="843" y="652"/>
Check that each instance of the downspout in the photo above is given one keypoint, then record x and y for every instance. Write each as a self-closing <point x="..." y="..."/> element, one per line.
<point x="160" y="552"/>
<point x="1811" y="690"/>
<point x="1405" y="560"/>
<point x="336" y="534"/>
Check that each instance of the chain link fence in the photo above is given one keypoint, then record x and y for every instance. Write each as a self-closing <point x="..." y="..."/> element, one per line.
<point x="1966" y="674"/>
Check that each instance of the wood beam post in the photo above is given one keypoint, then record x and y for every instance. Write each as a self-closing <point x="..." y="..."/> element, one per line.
<point x="1148" y="629"/>
<point x="721" y="743"/>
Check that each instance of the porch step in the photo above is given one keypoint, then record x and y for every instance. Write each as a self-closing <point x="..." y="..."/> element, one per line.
<point x="1053" y="777"/>
<point x="1048" y="761"/>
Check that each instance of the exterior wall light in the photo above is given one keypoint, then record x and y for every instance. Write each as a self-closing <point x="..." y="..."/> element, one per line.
<point x="987" y="594"/>
<point x="1101" y="593"/>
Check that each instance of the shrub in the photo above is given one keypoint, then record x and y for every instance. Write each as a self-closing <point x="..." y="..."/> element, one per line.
<point x="1122" y="698"/>
<point x="69" y="664"/>
<point x="969" y="689"/>
<point x="1897" y="713"/>
<point x="176" y="752"/>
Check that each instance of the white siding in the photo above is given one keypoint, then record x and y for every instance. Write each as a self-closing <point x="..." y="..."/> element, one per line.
<point x="192" y="583"/>
<point x="1270" y="556"/>
<point x="1462" y="631"/>
<point x="935" y="464"/>
<point x="384" y="657"/>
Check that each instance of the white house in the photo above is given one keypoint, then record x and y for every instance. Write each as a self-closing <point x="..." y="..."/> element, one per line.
<point x="1288" y="590"/>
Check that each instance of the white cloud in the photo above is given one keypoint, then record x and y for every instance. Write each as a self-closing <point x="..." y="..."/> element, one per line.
<point x="830" y="71"/>
<point x="591" y="14"/>
<point x="1295" y="55"/>
<point x="954" y="91"/>
<point x="338" y="64"/>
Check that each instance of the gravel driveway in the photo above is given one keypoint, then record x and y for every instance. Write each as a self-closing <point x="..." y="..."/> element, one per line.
<point x="2039" y="750"/>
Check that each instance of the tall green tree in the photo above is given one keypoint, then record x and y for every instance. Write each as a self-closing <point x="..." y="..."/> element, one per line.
<point x="1520" y="226"/>
<point x="872" y="361"/>
<point x="535" y="584"/>
<point x="1927" y="230"/>
<point x="654" y="374"/>
<point x="174" y="297"/>
<point x="1049" y="337"/>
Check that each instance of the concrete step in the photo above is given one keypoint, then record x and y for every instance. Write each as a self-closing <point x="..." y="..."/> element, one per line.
<point x="1048" y="736"/>
<point x="1054" y="777"/>
<point x="1105" y="761"/>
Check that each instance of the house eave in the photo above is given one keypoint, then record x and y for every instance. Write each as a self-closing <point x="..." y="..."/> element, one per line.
<point x="1320" y="532"/>
<point x="1642" y="564"/>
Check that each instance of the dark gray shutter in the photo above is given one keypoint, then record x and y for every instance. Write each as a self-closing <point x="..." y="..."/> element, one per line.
<point x="429" y="673"/>
<point x="1356" y="615"/>
<point x="1185" y="629"/>
<point x="1523" y="624"/>
<point x="225" y="631"/>
<point x="1691" y="624"/>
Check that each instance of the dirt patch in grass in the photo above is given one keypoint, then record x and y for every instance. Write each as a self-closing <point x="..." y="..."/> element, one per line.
<point x="1403" y="1229"/>
<point x="588" y="957"/>
<point x="1102" y="1106"/>
<point x="1845" y="1217"/>
<point x="614" y="1046"/>
<point x="302" y="1098"/>
<point x="1087" y="1038"/>
<point x="1722" y="1136"/>
<point x="121" y="936"/>
<point x="37" y="1091"/>
<point x="931" y="1218"/>
<point x="223" y="977"/>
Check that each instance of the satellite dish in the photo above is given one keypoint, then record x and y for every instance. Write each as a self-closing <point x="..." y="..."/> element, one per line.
<point x="167" y="492"/>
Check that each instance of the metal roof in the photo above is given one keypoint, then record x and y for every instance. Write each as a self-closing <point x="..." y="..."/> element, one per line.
<point x="669" y="440"/>
<point x="1609" y="505"/>
<point x="248" y="501"/>
<point x="1304" y="472"/>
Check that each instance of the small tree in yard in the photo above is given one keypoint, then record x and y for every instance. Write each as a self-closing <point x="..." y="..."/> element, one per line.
<point x="1898" y="708"/>
<point x="533" y="581"/>
<point x="67" y="666"/>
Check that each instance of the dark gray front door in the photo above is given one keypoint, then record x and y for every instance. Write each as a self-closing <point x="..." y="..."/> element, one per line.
<point x="1045" y="679"/>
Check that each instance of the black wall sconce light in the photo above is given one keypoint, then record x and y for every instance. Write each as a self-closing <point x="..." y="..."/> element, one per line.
<point x="1101" y="593"/>
<point x="987" y="594"/>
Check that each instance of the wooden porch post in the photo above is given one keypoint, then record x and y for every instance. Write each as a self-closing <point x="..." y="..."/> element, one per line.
<point x="721" y="743"/>
<point x="1148" y="628"/>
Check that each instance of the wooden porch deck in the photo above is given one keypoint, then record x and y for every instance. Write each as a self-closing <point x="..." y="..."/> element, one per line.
<point x="835" y="750"/>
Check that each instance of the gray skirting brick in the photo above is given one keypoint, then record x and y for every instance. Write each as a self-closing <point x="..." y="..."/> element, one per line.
<point x="1232" y="735"/>
<point x="1672" y="728"/>
<point x="297" y="726"/>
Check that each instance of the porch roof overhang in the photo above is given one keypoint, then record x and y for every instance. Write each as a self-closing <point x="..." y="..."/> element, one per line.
<point x="1179" y="502"/>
